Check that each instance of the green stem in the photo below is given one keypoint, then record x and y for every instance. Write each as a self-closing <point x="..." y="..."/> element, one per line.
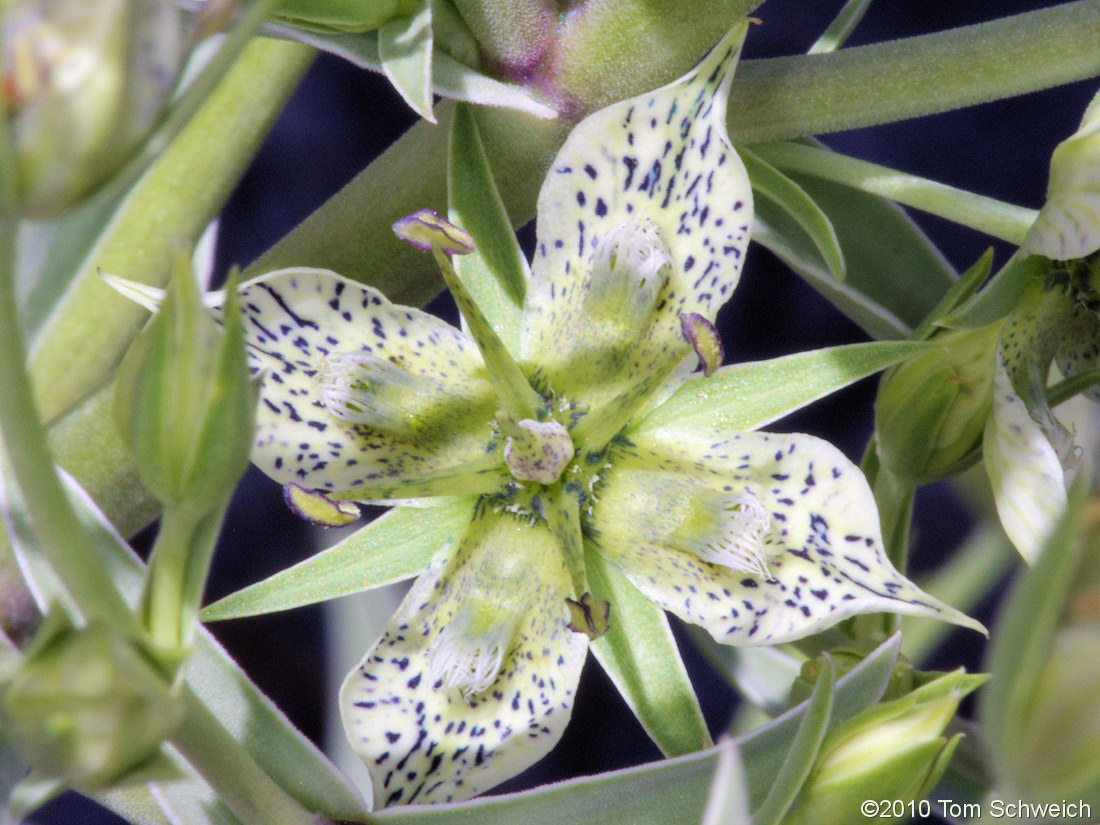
<point x="790" y="97"/>
<point x="177" y="575"/>
<point x="90" y="328"/>
<point x="993" y="217"/>
<point x="239" y="782"/>
<point x="66" y="544"/>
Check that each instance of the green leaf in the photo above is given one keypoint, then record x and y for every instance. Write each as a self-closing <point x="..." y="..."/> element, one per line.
<point x="496" y="273"/>
<point x="802" y="751"/>
<point x="895" y="275"/>
<point x="764" y="750"/>
<point x="1024" y="634"/>
<point x="396" y="546"/>
<point x="784" y="193"/>
<point x="219" y="684"/>
<point x="339" y="15"/>
<point x="641" y="657"/>
<point x="843" y="24"/>
<point x="751" y="395"/>
<point x="450" y="78"/>
<point x="728" y="802"/>
<point x="405" y="51"/>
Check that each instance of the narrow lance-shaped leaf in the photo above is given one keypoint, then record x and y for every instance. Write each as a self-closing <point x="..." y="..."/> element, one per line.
<point x="792" y="198"/>
<point x="802" y="752"/>
<point x="640" y="655"/>
<point x="393" y="547"/>
<point x="496" y="272"/>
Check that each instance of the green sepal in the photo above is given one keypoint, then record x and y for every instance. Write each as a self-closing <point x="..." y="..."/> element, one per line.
<point x="451" y="77"/>
<point x="838" y="31"/>
<point x="393" y="547"/>
<point x="405" y="51"/>
<point x="1000" y="296"/>
<point x="751" y="395"/>
<point x="496" y="272"/>
<point x="802" y="752"/>
<point x="765" y="748"/>
<point x="640" y="656"/>
<point x="962" y="290"/>
<point x="769" y="182"/>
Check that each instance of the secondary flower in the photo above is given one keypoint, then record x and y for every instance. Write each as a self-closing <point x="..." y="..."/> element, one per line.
<point x="565" y="447"/>
<point x="1027" y="450"/>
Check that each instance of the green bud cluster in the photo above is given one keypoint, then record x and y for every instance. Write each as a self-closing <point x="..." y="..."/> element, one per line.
<point x="931" y="410"/>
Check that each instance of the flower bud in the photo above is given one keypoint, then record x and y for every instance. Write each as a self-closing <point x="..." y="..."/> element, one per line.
<point x="184" y="400"/>
<point x="88" y="705"/>
<point x="1058" y="751"/>
<point x="83" y="84"/>
<point x="895" y="749"/>
<point x="931" y="409"/>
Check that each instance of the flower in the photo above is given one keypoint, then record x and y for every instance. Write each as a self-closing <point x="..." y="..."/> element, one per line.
<point x="564" y="439"/>
<point x="1056" y="320"/>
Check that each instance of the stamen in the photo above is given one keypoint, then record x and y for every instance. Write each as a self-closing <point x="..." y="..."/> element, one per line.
<point x="729" y="530"/>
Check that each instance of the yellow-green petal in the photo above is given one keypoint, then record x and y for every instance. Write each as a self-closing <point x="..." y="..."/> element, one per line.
<point x="820" y="536"/>
<point x="358" y="391"/>
<point x="645" y="215"/>
<point x="1068" y="225"/>
<point x="474" y="676"/>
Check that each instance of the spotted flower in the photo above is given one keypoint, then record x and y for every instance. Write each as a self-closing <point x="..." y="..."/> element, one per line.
<point x="562" y="442"/>
<point x="1027" y="450"/>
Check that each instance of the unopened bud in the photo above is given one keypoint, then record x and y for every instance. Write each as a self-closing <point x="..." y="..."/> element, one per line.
<point x="184" y="400"/>
<point x="88" y="705"/>
<point x="83" y="84"/>
<point x="931" y="410"/>
<point x="895" y="749"/>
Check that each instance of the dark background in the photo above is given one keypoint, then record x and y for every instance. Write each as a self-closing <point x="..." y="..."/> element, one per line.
<point x="341" y="118"/>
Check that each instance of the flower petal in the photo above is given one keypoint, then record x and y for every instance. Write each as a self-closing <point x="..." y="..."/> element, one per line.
<point x="1028" y="482"/>
<point x="1024" y="447"/>
<point x="473" y="679"/>
<point x="820" y="537"/>
<point x="645" y="215"/>
<point x="1068" y="225"/>
<point x="356" y="389"/>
